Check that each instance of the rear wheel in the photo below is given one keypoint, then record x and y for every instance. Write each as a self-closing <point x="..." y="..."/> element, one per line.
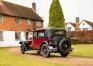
<point x="22" y="49"/>
<point x="45" y="50"/>
<point x="64" y="47"/>
<point x="64" y="54"/>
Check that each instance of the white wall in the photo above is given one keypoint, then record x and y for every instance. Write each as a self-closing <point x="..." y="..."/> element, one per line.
<point x="81" y="26"/>
<point x="9" y="39"/>
<point x="69" y="25"/>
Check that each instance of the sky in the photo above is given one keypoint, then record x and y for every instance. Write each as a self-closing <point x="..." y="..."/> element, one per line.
<point x="71" y="9"/>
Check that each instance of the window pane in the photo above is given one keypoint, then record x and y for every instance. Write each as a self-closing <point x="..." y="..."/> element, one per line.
<point x="41" y="34"/>
<point x="28" y="21"/>
<point x="39" y="23"/>
<point x="1" y="18"/>
<point x="35" y="34"/>
<point x="18" y="20"/>
<point x="17" y="36"/>
<point x="1" y="35"/>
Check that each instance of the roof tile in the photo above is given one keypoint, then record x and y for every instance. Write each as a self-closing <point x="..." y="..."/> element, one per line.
<point x="18" y="11"/>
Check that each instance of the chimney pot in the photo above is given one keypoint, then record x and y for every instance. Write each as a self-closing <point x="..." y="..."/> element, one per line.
<point x="34" y="6"/>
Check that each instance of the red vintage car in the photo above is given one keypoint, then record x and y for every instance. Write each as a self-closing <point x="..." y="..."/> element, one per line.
<point x="46" y="41"/>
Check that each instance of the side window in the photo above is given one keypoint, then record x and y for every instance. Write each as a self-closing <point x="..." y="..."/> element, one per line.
<point x="18" y="20"/>
<point x="41" y="34"/>
<point x="35" y="34"/>
<point x="1" y="35"/>
<point x="17" y="35"/>
<point x="1" y="18"/>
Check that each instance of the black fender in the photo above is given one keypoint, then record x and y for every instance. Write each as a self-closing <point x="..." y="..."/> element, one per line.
<point x="45" y="42"/>
<point x="24" y="44"/>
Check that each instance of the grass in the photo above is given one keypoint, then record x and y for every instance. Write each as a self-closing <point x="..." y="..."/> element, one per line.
<point x="82" y="50"/>
<point x="10" y="59"/>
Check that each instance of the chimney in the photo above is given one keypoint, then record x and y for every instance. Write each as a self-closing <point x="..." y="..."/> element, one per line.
<point x="77" y="23"/>
<point x="34" y="6"/>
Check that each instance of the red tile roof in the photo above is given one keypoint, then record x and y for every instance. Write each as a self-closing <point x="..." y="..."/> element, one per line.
<point x="11" y="9"/>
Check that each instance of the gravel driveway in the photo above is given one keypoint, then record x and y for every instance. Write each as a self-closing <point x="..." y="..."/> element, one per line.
<point x="71" y="61"/>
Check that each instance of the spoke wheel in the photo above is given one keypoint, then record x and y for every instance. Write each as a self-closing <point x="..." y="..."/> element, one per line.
<point x="64" y="46"/>
<point x="45" y="50"/>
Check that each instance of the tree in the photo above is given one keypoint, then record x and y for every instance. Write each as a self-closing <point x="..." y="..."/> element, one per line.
<point x="56" y="17"/>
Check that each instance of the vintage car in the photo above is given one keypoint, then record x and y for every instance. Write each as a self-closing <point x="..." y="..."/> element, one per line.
<point x="46" y="41"/>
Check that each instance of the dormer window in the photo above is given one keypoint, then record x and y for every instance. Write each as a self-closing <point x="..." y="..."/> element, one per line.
<point x="18" y="20"/>
<point x="1" y="18"/>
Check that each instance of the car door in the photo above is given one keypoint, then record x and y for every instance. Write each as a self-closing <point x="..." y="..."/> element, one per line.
<point x="35" y="40"/>
<point x="41" y="37"/>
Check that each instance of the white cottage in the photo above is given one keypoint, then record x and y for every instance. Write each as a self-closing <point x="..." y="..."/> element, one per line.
<point x="70" y="26"/>
<point x="15" y="20"/>
<point x="86" y="25"/>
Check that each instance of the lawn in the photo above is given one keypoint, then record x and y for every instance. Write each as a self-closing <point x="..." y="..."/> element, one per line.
<point x="82" y="50"/>
<point x="10" y="59"/>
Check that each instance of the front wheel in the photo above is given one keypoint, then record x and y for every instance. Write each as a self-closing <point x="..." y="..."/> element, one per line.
<point x="22" y="49"/>
<point x="45" y="50"/>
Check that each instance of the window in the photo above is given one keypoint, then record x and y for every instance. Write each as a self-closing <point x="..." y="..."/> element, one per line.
<point x="1" y="18"/>
<point x="28" y="21"/>
<point x="83" y="23"/>
<point x="1" y="35"/>
<point x="18" y="20"/>
<point x="38" y="23"/>
<point x="41" y="34"/>
<point x="85" y="28"/>
<point x="68" y="28"/>
<point x="35" y="34"/>
<point x="17" y="35"/>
